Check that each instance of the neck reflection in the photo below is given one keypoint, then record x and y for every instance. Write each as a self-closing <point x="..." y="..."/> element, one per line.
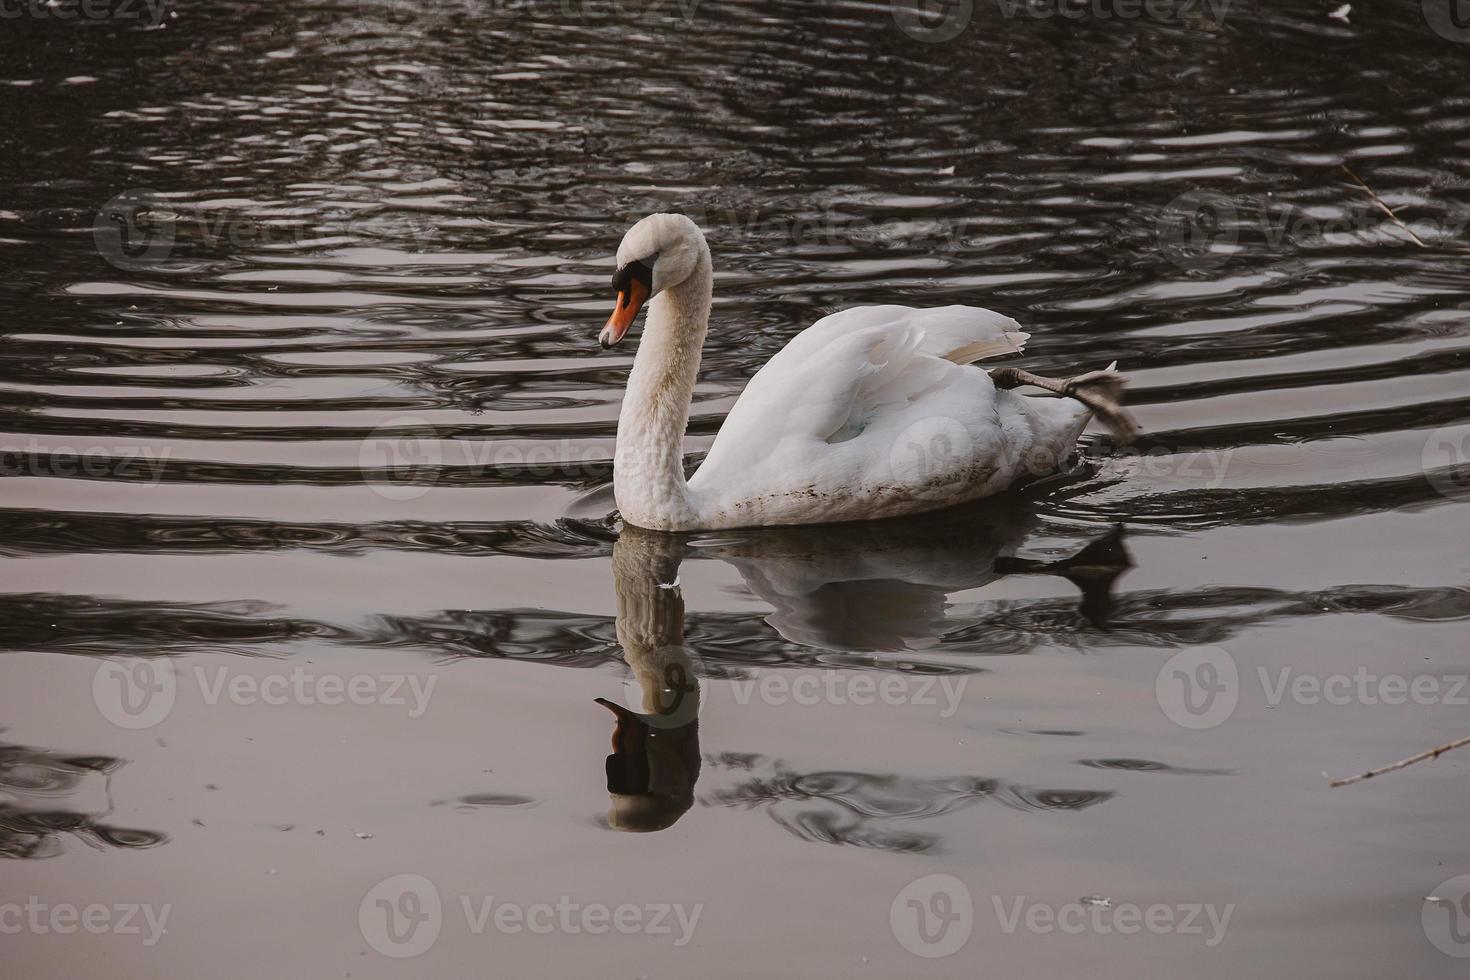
<point x="882" y="587"/>
<point x="655" y="750"/>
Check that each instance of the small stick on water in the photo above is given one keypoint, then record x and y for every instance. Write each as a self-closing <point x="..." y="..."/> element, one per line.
<point x="1384" y="207"/>
<point x="1433" y="753"/>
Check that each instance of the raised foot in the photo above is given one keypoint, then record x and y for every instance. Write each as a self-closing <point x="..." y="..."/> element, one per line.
<point x="1101" y="391"/>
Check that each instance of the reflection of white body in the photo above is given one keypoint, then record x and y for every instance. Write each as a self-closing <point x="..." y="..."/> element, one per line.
<point x="881" y="586"/>
<point x="872" y="412"/>
<point x="870" y="587"/>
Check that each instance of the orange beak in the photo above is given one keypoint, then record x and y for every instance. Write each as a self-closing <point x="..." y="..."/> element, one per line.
<point x="630" y="301"/>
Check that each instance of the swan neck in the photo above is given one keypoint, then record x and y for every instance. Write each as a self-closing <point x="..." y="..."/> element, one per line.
<point x="648" y="469"/>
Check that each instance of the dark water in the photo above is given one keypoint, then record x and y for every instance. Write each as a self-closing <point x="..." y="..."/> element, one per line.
<point x="300" y="380"/>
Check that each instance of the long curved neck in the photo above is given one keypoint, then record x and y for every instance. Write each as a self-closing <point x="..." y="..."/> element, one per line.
<point x="648" y="468"/>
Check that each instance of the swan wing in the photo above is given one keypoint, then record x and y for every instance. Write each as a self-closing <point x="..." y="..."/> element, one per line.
<point x="962" y="334"/>
<point x="832" y="379"/>
<point x="825" y="425"/>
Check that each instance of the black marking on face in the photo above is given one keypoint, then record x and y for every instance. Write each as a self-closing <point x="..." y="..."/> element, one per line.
<point x="637" y="269"/>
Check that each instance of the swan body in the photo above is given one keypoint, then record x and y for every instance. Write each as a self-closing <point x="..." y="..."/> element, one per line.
<point x="869" y="413"/>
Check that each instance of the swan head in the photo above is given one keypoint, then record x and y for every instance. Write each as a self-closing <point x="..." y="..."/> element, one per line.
<point x="651" y="772"/>
<point x="658" y="253"/>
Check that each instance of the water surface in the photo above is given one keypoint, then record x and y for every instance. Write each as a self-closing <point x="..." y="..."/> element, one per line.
<point x="300" y="304"/>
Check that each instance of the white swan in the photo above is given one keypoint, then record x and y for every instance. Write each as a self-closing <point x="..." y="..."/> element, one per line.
<point x="869" y="413"/>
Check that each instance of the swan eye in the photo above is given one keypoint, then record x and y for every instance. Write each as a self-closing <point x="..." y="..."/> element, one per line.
<point x="635" y="271"/>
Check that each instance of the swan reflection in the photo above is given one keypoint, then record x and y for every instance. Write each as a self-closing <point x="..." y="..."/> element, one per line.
<point x="655" y="751"/>
<point x="861" y="589"/>
<point x="885" y="585"/>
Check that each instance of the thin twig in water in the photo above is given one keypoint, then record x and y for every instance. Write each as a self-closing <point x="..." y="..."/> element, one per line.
<point x="1433" y="753"/>
<point x="1384" y="207"/>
